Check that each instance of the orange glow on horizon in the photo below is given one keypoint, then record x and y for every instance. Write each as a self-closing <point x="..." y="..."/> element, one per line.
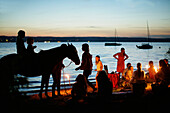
<point x="121" y="32"/>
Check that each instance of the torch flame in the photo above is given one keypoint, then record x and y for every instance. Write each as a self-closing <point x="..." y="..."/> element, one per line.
<point x="67" y="76"/>
<point x="146" y="66"/>
<point x="156" y="69"/>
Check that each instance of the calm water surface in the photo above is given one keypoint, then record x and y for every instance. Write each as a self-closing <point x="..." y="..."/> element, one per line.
<point x="105" y="52"/>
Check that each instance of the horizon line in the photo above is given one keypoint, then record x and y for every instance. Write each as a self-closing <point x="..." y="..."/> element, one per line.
<point x="152" y="36"/>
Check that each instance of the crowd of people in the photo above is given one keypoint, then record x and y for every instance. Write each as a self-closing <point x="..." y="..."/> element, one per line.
<point x="135" y="80"/>
<point x="104" y="86"/>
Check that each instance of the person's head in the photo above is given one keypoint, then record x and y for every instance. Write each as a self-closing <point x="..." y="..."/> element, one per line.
<point x="30" y="41"/>
<point x="102" y="77"/>
<point x="151" y="63"/>
<point x="81" y="79"/>
<point x="128" y="64"/>
<point x="122" y="50"/>
<point x="139" y="65"/>
<point x="85" y="47"/>
<point x="21" y="33"/>
<point x="97" y="58"/>
<point x="130" y="68"/>
<point x="162" y="64"/>
<point x="166" y="61"/>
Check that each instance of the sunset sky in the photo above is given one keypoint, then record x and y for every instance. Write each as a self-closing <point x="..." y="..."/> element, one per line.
<point x="85" y="17"/>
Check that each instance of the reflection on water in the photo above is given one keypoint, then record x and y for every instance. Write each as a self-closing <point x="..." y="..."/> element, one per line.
<point x="106" y="53"/>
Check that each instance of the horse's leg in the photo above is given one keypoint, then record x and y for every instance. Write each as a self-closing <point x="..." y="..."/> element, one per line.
<point x="47" y="77"/>
<point x="42" y="86"/>
<point x="58" y="74"/>
<point x="54" y="84"/>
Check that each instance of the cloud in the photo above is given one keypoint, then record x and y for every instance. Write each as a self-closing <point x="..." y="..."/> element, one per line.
<point x="136" y="3"/>
<point x="166" y="19"/>
<point x="160" y="36"/>
<point x="93" y="27"/>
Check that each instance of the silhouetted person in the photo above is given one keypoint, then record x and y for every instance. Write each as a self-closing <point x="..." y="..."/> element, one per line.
<point x="152" y="72"/>
<point x="166" y="61"/>
<point x="138" y="75"/>
<point x="138" y="80"/>
<point x="104" y="85"/>
<point x="162" y="79"/>
<point x="30" y="47"/>
<point x="86" y="64"/>
<point x="79" y="89"/>
<point x="122" y="56"/>
<point x="163" y="75"/>
<point x="20" y="42"/>
<point x="56" y="73"/>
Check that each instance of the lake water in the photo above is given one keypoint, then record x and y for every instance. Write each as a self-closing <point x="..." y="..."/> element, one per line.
<point x="105" y="52"/>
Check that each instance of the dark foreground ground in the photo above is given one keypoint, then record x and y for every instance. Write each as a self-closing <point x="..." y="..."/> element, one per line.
<point x="118" y="103"/>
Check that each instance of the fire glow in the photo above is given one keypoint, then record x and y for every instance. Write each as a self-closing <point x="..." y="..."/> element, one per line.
<point x="67" y="76"/>
<point x="155" y="68"/>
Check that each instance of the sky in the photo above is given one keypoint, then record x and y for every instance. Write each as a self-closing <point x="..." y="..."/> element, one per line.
<point x="85" y="17"/>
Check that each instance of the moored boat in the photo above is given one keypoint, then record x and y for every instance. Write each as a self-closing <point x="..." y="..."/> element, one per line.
<point x="114" y="43"/>
<point x="146" y="46"/>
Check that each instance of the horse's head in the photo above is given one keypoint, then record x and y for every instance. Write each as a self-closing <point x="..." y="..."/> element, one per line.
<point x="72" y="54"/>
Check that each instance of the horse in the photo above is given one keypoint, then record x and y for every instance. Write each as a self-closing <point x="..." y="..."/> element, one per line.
<point x="41" y="63"/>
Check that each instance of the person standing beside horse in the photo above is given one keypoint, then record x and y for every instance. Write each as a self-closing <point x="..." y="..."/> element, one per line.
<point x="56" y="74"/>
<point x="86" y="64"/>
<point x="122" y="56"/>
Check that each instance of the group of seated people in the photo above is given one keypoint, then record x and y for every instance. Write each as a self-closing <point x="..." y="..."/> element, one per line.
<point x="138" y="79"/>
<point x="129" y="78"/>
<point x="163" y="74"/>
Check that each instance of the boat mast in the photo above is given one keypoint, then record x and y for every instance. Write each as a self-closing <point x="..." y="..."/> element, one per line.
<point x="148" y="32"/>
<point x="115" y="35"/>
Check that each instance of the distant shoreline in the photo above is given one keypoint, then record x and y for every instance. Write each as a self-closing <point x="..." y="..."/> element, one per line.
<point x="85" y="39"/>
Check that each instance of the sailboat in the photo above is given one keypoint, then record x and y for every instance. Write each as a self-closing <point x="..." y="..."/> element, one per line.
<point x="113" y="44"/>
<point x="146" y="46"/>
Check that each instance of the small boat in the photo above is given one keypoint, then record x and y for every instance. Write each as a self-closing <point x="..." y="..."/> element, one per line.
<point x="146" y="46"/>
<point x="113" y="43"/>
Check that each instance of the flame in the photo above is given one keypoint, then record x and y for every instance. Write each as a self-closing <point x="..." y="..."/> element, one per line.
<point x="67" y="76"/>
<point x="146" y="66"/>
<point x="156" y="69"/>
